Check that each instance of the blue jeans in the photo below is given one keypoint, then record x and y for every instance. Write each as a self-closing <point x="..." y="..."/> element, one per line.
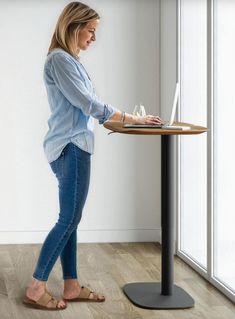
<point x="72" y="170"/>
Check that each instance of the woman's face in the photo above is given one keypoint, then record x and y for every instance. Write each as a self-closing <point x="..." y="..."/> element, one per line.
<point x="87" y="34"/>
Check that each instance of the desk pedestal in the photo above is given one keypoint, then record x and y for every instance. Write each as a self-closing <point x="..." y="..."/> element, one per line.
<point x="164" y="295"/>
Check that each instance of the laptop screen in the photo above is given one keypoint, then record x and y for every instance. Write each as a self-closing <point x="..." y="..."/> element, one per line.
<point x="174" y="104"/>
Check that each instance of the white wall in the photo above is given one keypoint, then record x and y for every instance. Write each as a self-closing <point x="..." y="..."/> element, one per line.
<point x="168" y="55"/>
<point x="124" y="199"/>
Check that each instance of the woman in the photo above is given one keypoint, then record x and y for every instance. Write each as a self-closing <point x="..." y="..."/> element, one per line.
<point x="68" y="146"/>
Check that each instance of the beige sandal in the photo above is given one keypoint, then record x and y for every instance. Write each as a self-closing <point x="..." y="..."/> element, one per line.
<point x="84" y="296"/>
<point x="42" y="302"/>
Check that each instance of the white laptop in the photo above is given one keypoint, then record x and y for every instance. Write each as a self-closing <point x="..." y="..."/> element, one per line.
<point x="167" y="125"/>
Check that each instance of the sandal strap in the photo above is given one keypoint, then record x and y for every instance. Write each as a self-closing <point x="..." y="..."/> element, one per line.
<point x="85" y="292"/>
<point x="45" y="298"/>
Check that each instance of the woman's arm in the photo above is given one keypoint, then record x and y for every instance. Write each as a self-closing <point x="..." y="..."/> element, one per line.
<point x="68" y="80"/>
<point x="66" y="76"/>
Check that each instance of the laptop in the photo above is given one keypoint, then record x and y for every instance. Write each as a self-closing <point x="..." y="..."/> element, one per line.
<point x="167" y="125"/>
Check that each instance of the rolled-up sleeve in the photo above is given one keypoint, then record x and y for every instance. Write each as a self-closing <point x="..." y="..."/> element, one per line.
<point x="71" y="84"/>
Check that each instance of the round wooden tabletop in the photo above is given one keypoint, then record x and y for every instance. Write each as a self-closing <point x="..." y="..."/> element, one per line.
<point x="118" y="127"/>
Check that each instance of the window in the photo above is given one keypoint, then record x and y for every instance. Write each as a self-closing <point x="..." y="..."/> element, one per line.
<point x="193" y="186"/>
<point x="224" y="146"/>
<point x="206" y="72"/>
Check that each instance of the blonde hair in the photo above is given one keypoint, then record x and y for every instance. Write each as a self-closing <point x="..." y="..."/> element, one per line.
<point x="74" y="17"/>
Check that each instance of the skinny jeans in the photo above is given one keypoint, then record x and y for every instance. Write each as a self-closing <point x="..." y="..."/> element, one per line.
<point x="72" y="170"/>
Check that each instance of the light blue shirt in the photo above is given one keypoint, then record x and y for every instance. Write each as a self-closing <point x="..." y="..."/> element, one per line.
<point x="73" y="104"/>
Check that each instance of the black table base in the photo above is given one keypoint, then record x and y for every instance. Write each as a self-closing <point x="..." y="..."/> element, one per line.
<point x="148" y="295"/>
<point x="164" y="295"/>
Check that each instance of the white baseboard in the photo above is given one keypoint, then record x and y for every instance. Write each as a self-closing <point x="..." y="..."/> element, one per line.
<point x="85" y="236"/>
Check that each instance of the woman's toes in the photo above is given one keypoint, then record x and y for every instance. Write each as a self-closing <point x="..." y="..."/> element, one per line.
<point x="62" y="304"/>
<point x="101" y="297"/>
<point x="96" y="296"/>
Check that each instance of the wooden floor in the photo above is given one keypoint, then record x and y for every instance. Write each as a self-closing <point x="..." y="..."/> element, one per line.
<point x="106" y="268"/>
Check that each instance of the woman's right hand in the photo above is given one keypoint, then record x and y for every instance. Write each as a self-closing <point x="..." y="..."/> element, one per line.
<point x="148" y="119"/>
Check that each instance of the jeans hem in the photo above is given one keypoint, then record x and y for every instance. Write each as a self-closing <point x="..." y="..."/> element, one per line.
<point x="70" y="277"/>
<point x="38" y="278"/>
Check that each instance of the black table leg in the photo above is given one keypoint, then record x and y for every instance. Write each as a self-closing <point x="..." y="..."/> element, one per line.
<point x="162" y="295"/>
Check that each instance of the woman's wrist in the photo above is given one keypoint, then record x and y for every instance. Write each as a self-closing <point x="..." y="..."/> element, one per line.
<point x="130" y="119"/>
<point x="124" y="118"/>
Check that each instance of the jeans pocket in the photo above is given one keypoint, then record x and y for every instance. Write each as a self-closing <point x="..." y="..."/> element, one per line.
<point x="61" y="165"/>
<point x="57" y="166"/>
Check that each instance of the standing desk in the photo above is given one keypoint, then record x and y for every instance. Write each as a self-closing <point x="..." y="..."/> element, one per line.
<point x="164" y="294"/>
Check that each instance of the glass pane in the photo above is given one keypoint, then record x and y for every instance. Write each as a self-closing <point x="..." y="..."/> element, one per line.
<point x="193" y="148"/>
<point x="224" y="150"/>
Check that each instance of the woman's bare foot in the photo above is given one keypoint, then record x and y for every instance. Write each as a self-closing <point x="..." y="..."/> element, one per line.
<point x="72" y="290"/>
<point x="37" y="288"/>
